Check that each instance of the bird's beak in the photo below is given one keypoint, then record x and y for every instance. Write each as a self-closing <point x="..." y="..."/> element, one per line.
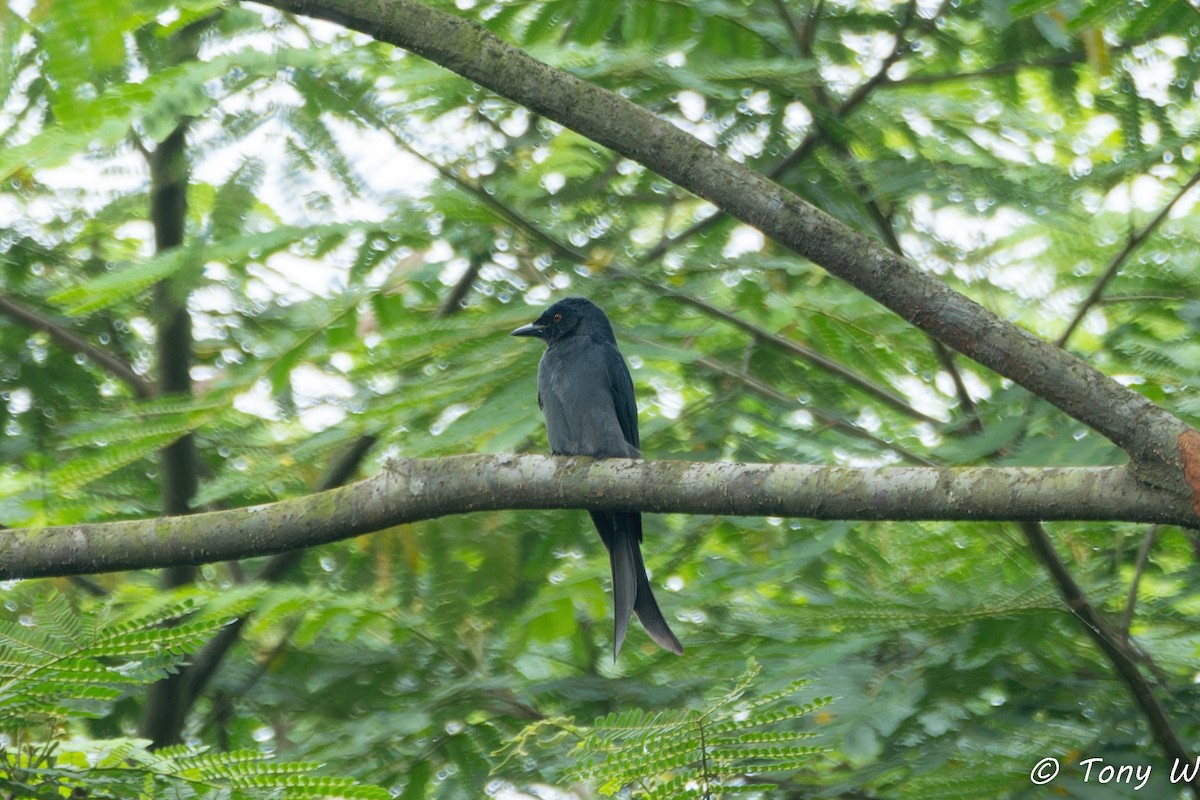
<point x="532" y="329"/>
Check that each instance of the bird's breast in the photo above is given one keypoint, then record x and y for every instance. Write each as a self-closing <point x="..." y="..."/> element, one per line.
<point x="578" y="403"/>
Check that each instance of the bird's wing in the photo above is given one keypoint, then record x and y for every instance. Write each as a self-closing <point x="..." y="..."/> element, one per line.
<point x="540" y="378"/>
<point x="621" y="385"/>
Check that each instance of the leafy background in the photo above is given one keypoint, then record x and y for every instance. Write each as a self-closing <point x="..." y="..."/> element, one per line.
<point x="364" y="228"/>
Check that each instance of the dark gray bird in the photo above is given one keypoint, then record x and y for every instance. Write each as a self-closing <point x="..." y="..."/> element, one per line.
<point x="586" y="395"/>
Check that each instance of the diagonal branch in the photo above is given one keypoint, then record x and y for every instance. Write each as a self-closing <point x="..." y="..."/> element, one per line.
<point x="826" y="419"/>
<point x="73" y="343"/>
<point x="1156" y="441"/>
<point x="1118" y="260"/>
<point x="1110" y="643"/>
<point x="856" y="98"/>
<point x="205" y="663"/>
<point x="883" y="222"/>
<point x="759" y="333"/>
<point x="1143" y="556"/>
<point x="813" y="138"/>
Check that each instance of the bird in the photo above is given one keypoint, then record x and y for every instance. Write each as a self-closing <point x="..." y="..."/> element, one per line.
<point x="586" y="395"/>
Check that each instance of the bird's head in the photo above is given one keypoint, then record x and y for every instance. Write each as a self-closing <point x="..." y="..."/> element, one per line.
<point x="571" y="316"/>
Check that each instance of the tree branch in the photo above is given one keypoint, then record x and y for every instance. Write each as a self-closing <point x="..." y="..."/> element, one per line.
<point x="1156" y="441"/>
<point x="418" y="489"/>
<point x="165" y="708"/>
<point x="1118" y="260"/>
<point x="73" y="343"/>
<point x="1143" y="556"/>
<point x="826" y="419"/>
<point x="166" y="703"/>
<point x="883" y="222"/>
<point x="999" y="70"/>
<point x="782" y="344"/>
<point x="1112" y="644"/>
<point x="815" y="136"/>
<point x="204" y="664"/>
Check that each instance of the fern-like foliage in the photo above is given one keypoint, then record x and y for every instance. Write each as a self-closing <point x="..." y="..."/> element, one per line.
<point x="59" y="664"/>
<point x="124" y="768"/>
<point x="726" y="748"/>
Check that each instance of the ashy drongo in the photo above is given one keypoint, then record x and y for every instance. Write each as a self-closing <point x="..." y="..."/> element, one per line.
<point x="586" y="395"/>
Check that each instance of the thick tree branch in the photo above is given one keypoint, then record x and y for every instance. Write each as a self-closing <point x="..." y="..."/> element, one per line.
<point x="1154" y="439"/>
<point x="165" y="708"/>
<point x="166" y="702"/>
<point x="412" y="490"/>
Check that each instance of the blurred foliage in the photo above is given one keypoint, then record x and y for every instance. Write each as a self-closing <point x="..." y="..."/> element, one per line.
<point x="61" y="664"/>
<point x="1012" y="148"/>
<point x="724" y="748"/>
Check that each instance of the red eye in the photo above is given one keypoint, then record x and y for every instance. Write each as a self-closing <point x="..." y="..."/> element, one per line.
<point x="558" y="317"/>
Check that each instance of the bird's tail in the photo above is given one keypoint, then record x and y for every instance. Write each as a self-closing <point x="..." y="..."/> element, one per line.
<point x="631" y="588"/>
<point x="646" y="607"/>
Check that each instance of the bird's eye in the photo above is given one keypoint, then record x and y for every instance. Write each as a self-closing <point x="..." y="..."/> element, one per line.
<point x="558" y="317"/>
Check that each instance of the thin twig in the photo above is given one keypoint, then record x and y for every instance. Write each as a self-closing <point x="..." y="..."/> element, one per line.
<point x="1119" y="260"/>
<point x="1142" y="557"/>
<point x="73" y="343"/>
<point x="826" y="419"/>
<point x="461" y="289"/>
<point x="1008" y="68"/>
<point x="945" y="356"/>
<point x="883" y="223"/>
<point x="1114" y="299"/>
<point x="761" y="334"/>
<point x="815" y="136"/>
